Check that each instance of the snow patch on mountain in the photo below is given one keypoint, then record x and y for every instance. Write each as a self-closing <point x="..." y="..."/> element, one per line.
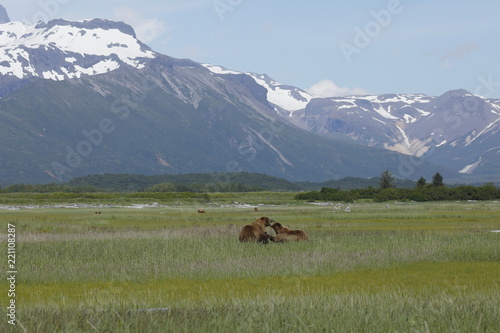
<point x="441" y="144"/>
<point x="219" y="70"/>
<point x="398" y="98"/>
<point x="484" y="131"/>
<point x="496" y="108"/>
<point x="471" y="167"/>
<point x="409" y="119"/>
<point x="283" y="96"/>
<point x="347" y="106"/>
<point x="61" y="49"/>
<point x="386" y="105"/>
<point x="405" y="137"/>
<point x="286" y="97"/>
<point x="384" y="113"/>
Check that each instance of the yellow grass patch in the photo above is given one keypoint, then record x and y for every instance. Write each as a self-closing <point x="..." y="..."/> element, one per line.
<point x="422" y="278"/>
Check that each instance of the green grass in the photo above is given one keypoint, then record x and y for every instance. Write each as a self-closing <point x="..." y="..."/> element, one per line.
<point x="432" y="267"/>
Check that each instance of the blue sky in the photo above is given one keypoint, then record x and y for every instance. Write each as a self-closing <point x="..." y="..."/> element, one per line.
<point x="328" y="47"/>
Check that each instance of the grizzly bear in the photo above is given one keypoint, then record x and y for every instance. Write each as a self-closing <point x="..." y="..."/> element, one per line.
<point x="255" y="232"/>
<point x="285" y="234"/>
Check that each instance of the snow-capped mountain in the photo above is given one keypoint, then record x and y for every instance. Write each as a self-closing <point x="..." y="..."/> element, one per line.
<point x="455" y="129"/>
<point x="378" y="121"/>
<point x="284" y="98"/>
<point x="62" y="50"/>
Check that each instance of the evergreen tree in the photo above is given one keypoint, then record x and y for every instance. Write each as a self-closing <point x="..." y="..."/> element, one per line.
<point x="421" y="182"/>
<point x="437" y="180"/>
<point x="386" y="180"/>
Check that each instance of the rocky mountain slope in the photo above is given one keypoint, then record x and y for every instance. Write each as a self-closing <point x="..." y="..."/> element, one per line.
<point x="458" y="129"/>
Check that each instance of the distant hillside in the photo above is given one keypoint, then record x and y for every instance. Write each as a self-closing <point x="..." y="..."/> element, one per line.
<point x="222" y="182"/>
<point x="213" y="182"/>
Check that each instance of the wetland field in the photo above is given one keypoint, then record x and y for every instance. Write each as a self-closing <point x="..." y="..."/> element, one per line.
<point x="154" y="264"/>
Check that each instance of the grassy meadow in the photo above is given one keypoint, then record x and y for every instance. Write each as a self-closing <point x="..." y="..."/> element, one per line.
<point x="409" y="267"/>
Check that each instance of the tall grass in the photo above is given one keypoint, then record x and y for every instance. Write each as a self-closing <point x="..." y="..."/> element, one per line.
<point x="412" y="268"/>
<point x="138" y="256"/>
<point x="396" y="311"/>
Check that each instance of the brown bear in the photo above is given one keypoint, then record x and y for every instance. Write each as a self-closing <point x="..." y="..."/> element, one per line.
<point x="286" y="235"/>
<point x="255" y="232"/>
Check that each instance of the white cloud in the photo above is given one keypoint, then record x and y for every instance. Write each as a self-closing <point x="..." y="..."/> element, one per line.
<point x="147" y="29"/>
<point x="327" y="88"/>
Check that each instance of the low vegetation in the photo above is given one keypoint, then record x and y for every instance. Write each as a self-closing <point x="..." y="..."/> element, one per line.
<point x="406" y="267"/>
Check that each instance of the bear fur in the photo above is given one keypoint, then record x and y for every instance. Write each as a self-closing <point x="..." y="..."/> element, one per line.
<point x="255" y="232"/>
<point x="287" y="235"/>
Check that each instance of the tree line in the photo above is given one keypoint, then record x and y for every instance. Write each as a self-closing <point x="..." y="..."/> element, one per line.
<point x="423" y="191"/>
<point x="157" y="188"/>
